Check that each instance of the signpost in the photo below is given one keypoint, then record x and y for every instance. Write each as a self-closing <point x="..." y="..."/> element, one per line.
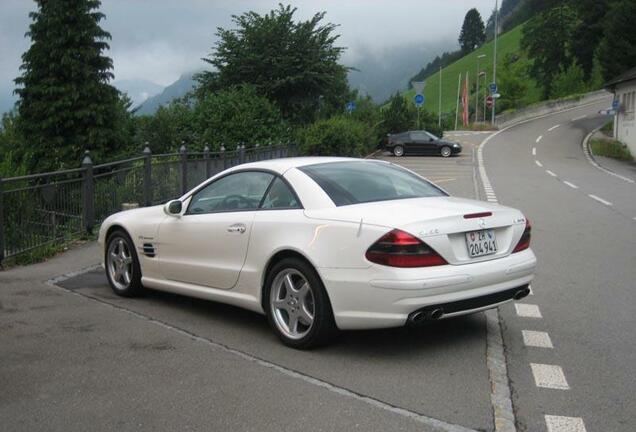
<point x="489" y="101"/>
<point x="419" y="98"/>
<point x="350" y="107"/>
<point x="615" y="104"/>
<point x="493" y="88"/>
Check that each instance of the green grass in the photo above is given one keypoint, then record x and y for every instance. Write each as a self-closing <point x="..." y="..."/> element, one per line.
<point x="610" y="148"/>
<point x="506" y="43"/>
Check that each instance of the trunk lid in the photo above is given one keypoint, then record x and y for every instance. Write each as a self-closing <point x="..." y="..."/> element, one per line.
<point x="438" y="221"/>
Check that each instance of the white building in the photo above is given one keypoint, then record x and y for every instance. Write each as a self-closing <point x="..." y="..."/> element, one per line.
<point x="624" y="89"/>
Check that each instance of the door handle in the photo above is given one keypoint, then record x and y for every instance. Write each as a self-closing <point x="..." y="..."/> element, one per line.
<point x="239" y="228"/>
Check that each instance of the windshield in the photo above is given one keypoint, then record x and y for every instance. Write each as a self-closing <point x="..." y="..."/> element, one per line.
<point x="366" y="181"/>
<point x="432" y="136"/>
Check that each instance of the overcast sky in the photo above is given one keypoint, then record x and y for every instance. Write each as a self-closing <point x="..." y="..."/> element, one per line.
<point x="157" y="40"/>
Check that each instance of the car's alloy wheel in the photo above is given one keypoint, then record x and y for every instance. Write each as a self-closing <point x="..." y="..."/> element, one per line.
<point x="398" y="151"/>
<point x="293" y="303"/>
<point x="122" y="266"/>
<point x="445" y="151"/>
<point x="297" y="306"/>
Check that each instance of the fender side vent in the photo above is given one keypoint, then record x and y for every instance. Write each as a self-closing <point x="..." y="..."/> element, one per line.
<point x="149" y="250"/>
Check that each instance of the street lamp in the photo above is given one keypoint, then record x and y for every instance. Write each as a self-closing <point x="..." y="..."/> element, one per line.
<point x="481" y="56"/>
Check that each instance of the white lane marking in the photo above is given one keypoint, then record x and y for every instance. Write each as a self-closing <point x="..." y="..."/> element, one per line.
<point x="528" y="310"/>
<point x="534" y="151"/>
<point x="601" y="200"/>
<point x="539" y="139"/>
<point x="590" y="159"/>
<point x="572" y="185"/>
<point x="549" y="376"/>
<point x="553" y="128"/>
<point x="537" y="339"/>
<point x="551" y="173"/>
<point x="579" y="117"/>
<point x="564" y="424"/>
<point x="538" y="163"/>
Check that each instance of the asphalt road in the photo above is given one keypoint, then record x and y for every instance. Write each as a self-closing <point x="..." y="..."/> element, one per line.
<point x="75" y="357"/>
<point x="584" y="234"/>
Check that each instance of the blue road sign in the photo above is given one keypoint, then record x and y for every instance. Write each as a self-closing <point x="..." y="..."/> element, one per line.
<point x="615" y="104"/>
<point x="419" y="100"/>
<point x="493" y="88"/>
<point x="350" y="107"/>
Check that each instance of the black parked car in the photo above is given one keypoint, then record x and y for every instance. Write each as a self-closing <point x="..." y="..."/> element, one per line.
<point x="421" y="143"/>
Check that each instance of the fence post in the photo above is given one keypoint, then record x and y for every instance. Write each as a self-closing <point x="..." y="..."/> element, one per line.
<point x="88" y="192"/>
<point x="206" y="159"/>
<point x="241" y="149"/>
<point x="1" y="223"/>
<point x="222" y="156"/>
<point x="257" y="153"/>
<point x="147" y="176"/>
<point x="184" y="168"/>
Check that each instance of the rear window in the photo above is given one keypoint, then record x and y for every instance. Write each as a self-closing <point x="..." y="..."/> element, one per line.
<point x="360" y="182"/>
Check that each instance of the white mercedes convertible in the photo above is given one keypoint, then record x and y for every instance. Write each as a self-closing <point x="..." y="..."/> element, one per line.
<point x="319" y="244"/>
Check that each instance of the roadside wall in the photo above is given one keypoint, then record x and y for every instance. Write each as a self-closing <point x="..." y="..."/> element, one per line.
<point x="625" y="120"/>
<point x="548" y="107"/>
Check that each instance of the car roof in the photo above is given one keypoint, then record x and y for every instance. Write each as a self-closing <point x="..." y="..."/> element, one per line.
<point x="283" y="164"/>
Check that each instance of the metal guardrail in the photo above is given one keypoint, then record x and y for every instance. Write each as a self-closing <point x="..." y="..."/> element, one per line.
<point x="43" y="209"/>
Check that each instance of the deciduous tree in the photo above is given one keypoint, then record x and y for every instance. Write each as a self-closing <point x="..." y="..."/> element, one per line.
<point x="293" y="63"/>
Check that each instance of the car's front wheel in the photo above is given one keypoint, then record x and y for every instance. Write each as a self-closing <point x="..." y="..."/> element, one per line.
<point x="445" y="151"/>
<point x="298" y="308"/>
<point x="398" y="150"/>
<point x="122" y="265"/>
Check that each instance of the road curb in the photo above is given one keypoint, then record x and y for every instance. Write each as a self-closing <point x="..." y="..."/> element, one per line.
<point x="587" y="151"/>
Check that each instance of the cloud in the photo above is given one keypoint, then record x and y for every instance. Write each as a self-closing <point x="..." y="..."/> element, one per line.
<point x="158" y="40"/>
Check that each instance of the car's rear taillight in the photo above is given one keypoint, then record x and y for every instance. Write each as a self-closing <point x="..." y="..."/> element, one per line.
<point x="401" y="249"/>
<point x="524" y="241"/>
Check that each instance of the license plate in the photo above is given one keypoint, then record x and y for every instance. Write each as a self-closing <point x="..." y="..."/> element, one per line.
<point x="481" y="243"/>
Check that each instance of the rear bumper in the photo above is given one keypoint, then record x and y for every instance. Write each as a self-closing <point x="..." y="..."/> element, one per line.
<point x="379" y="297"/>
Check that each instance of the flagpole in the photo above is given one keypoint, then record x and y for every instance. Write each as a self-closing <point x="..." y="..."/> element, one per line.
<point x="467" y="122"/>
<point x="439" y="116"/>
<point x="459" y="84"/>
<point x="494" y="60"/>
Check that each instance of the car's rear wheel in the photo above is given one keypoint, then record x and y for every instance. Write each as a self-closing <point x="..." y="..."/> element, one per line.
<point x="122" y="265"/>
<point x="445" y="151"/>
<point x="298" y="308"/>
<point x="398" y="150"/>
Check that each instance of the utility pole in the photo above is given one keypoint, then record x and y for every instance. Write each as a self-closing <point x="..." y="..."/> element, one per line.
<point x="481" y="56"/>
<point x="494" y="58"/>
<point x="439" y="111"/>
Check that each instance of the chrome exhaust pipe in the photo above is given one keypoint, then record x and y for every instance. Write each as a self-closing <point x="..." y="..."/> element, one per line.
<point x="435" y="314"/>
<point x="417" y="318"/>
<point x="523" y="292"/>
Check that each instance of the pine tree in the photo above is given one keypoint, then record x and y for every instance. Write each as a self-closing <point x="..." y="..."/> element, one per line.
<point x="472" y="33"/>
<point x="66" y="104"/>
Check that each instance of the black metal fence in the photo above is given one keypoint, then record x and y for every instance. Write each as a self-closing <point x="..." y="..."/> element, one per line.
<point x="43" y="209"/>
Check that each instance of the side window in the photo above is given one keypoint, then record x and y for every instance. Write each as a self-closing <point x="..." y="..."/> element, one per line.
<point x="280" y="197"/>
<point x="419" y="136"/>
<point x="235" y="192"/>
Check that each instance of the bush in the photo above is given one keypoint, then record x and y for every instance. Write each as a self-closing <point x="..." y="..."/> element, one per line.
<point x="238" y="115"/>
<point x="569" y="81"/>
<point x="337" y="136"/>
<point x="610" y="148"/>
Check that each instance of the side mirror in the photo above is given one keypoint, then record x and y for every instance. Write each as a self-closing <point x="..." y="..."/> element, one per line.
<point x="173" y="208"/>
